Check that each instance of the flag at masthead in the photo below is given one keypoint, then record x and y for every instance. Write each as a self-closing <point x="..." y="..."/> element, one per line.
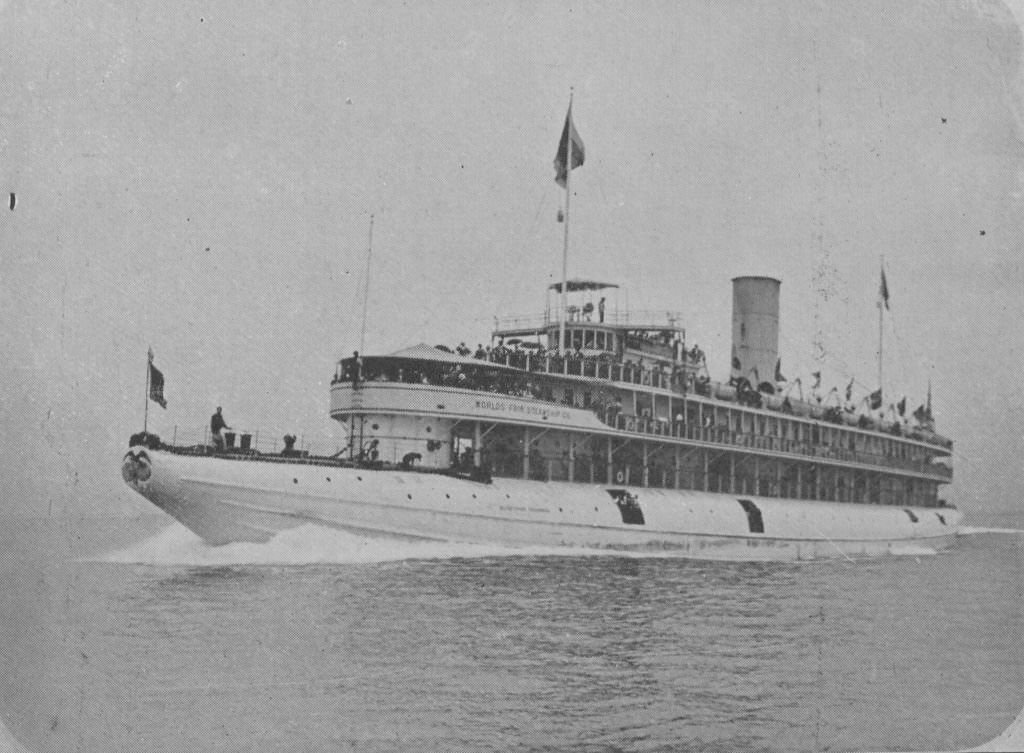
<point x="569" y="135"/>
<point x="569" y="156"/>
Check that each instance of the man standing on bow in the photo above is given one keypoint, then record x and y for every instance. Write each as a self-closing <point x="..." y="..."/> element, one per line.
<point x="217" y="424"/>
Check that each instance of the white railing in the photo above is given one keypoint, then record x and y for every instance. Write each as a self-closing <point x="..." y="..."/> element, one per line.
<point x="243" y="441"/>
<point x="638" y="318"/>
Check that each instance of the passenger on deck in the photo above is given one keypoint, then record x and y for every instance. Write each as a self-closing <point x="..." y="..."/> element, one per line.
<point x="357" y="368"/>
<point x="289" y="446"/>
<point x="217" y="425"/>
<point x="600" y="310"/>
<point x="371" y="453"/>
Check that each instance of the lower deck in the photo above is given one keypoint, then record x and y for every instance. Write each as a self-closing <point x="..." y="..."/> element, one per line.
<point x="555" y="454"/>
<point x="225" y="501"/>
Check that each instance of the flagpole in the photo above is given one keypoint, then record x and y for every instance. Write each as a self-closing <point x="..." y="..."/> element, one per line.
<point x="565" y="244"/>
<point x="366" y="288"/>
<point x="145" y="413"/>
<point x="881" y="303"/>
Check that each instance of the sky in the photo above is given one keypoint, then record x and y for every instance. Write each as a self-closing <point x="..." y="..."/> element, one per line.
<point x="200" y="180"/>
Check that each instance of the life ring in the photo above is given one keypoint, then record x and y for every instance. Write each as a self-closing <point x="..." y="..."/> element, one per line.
<point x="620" y="477"/>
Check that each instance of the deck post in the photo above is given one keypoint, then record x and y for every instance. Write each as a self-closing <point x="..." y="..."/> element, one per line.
<point x="675" y="483"/>
<point x="526" y="453"/>
<point x="572" y="458"/>
<point x="647" y="475"/>
<point x="610" y="474"/>
<point x="477" y="441"/>
<point x="732" y="473"/>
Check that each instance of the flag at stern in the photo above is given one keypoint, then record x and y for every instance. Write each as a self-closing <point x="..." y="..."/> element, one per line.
<point x="156" y="383"/>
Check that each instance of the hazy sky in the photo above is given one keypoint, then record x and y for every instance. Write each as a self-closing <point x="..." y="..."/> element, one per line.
<point x="200" y="180"/>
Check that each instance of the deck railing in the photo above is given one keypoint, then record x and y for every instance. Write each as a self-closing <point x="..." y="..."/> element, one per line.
<point x="605" y="369"/>
<point x="717" y="435"/>
<point x="640" y="318"/>
<point x="244" y="442"/>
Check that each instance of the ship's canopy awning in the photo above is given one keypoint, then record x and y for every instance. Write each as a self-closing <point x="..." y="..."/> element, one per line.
<point x="576" y="285"/>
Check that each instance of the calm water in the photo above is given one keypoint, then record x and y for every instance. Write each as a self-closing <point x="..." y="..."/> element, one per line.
<point x="131" y="635"/>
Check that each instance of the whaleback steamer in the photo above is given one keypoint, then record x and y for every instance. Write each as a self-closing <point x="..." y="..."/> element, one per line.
<point x="588" y="425"/>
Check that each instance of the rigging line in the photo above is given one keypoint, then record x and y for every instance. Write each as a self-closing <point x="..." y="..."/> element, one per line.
<point x="844" y="366"/>
<point x="523" y="240"/>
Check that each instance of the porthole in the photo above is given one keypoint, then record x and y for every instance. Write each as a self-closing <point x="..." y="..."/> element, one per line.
<point x="429" y="430"/>
<point x="328" y="479"/>
<point x="447" y="496"/>
<point x="376" y="426"/>
<point x="295" y="481"/>
<point x="409" y="496"/>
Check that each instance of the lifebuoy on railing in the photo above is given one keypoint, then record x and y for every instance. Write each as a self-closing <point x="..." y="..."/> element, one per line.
<point x="620" y="477"/>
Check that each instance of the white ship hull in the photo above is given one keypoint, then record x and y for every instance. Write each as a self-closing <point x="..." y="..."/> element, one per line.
<point x="227" y="500"/>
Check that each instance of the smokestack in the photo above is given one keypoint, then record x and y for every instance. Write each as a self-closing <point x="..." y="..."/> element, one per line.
<point x="755" y="327"/>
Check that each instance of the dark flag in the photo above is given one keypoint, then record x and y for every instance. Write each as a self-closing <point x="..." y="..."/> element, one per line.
<point x="156" y="384"/>
<point x="883" y="291"/>
<point x="817" y="380"/>
<point x="875" y="399"/>
<point x="568" y="133"/>
<point x="920" y="414"/>
<point x="901" y="406"/>
<point x="778" y="371"/>
<point x="849" y="391"/>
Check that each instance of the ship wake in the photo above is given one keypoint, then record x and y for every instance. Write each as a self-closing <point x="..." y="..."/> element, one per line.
<point x="973" y="530"/>
<point x="312" y="544"/>
<point x="307" y="544"/>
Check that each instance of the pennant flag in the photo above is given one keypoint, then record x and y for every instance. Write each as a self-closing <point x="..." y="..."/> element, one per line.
<point x="778" y="371"/>
<point x="901" y="406"/>
<point x="568" y="135"/>
<point x="883" y="291"/>
<point x="156" y="383"/>
<point x="849" y="391"/>
<point x="875" y="399"/>
<point x="920" y="415"/>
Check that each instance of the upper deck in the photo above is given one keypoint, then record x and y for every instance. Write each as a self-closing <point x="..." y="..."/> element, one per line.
<point x="648" y="399"/>
<point x="586" y="305"/>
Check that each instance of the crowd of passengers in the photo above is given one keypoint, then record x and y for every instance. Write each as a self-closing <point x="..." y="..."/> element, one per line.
<point x="539" y="358"/>
<point x="518" y="351"/>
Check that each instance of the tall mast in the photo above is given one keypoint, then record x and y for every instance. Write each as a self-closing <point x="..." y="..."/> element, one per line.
<point x="366" y="288"/>
<point x="145" y="414"/>
<point x="565" y="245"/>
<point x="882" y="301"/>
